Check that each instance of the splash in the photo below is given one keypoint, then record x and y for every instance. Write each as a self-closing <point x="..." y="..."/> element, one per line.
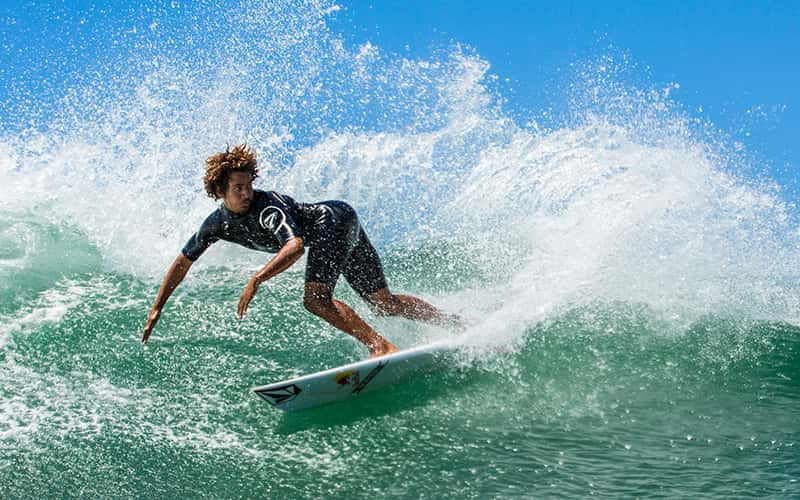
<point x="626" y="199"/>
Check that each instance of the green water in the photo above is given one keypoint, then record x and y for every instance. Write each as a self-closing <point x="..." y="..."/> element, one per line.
<point x="639" y="275"/>
<point x="603" y="399"/>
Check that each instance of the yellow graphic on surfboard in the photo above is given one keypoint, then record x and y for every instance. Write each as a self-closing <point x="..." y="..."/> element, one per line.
<point x="348" y="377"/>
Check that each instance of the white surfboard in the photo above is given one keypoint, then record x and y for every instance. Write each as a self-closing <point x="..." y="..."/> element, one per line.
<point x="349" y="381"/>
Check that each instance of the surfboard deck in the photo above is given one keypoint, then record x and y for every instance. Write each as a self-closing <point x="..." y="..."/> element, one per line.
<point x="349" y="381"/>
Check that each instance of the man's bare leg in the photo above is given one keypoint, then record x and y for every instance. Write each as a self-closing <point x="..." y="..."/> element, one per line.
<point x="319" y="301"/>
<point x="412" y="308"/>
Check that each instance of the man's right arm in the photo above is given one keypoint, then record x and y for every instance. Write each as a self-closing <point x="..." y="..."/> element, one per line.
<point x="175" y="275"/>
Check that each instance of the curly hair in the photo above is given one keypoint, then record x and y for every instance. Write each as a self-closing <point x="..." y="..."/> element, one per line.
<point x="219" y="167"/>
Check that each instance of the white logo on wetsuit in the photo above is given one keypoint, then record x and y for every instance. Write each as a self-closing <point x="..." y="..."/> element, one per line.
<point x="271" y="218"/>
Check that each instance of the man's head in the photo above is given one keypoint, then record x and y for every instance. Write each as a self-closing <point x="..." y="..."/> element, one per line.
<point x="230" y="175"/>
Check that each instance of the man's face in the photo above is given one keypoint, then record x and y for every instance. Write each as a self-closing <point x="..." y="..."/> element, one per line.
<point x="239" y="194"/>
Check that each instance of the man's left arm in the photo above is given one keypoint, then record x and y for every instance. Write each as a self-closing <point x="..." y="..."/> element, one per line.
<point x="289" y="253"/>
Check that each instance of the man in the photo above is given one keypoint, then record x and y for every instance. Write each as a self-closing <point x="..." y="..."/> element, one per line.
<point x="271" y="222"/>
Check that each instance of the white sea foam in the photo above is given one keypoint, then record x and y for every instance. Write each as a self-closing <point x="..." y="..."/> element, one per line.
<point x="82" y="405"/>
<point x="582" y="214"/>
<point x="627" y="200"/>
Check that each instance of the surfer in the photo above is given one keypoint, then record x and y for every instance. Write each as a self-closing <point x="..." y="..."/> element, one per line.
<point x="272" y="222"/>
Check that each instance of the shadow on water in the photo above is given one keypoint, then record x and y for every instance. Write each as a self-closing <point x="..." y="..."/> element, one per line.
<point x="413" y="393"/>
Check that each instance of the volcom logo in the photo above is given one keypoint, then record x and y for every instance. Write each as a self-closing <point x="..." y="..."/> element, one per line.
<point x="280" y="395"/>
<point x="271" y="218"/>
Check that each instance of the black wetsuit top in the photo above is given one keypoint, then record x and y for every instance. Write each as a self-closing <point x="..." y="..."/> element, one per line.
<point x="337" y="243"/>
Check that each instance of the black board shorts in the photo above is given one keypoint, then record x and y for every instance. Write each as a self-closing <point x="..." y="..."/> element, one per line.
<point x="341" y="247"/>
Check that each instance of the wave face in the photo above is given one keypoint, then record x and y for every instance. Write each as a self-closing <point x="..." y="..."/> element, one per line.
<point x="640" y="281"/>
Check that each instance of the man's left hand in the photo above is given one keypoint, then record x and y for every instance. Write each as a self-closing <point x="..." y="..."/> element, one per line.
<point x="247" y="295"/>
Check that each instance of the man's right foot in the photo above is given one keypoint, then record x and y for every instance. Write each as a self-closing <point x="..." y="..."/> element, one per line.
<point x="455" y="322"/>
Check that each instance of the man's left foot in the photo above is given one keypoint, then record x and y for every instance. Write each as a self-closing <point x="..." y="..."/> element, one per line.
<point x="383" y="349"/>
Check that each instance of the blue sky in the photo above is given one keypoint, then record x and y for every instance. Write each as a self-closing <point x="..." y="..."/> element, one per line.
<point x="737" y="61"/>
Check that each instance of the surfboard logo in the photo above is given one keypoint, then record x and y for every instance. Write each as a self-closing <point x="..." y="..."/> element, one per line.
<point x="280" y="395"/>
<point x="359" y="386"/>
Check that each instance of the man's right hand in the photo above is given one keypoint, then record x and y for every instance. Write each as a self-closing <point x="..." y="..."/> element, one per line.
<point x="180" y="266"/>
<point x="152" y="319"/>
